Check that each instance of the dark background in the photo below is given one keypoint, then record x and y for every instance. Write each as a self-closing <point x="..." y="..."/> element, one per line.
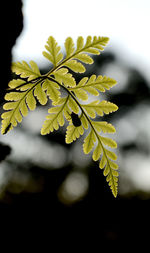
<point x="36" y="207"/>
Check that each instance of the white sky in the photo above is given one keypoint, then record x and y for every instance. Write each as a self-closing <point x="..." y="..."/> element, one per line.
<point x="126" y="22"/>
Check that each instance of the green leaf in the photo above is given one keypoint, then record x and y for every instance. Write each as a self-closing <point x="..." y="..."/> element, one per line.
<point x="52" y="90"/>
<point x="103" y="126"/>
<point x="13" y="116"/>
<point x="30" y="100"/>
<point x="80" y="43"/>
<point x="24" y="70"/>
<point x="90" y="109"/>
<point x="84" y="58"/>
<point x="62" y="76"/>
<point x="106" y="156"/>
<point x="93" y="45"/>
<point x="53" y="54"/>
<point x="94" y="85"/>
<point x="113" y="165"/>
<point x="109" y="142"/>
<point x="103" y="162"/>
<point x="110" y="173"/>
<point x="99" y="107"/>
<point x="75" y="66"/>
<point x="97" y="152"/>
<point x="16" y="83"/>
<point x="73" y="133"/>
<point x="111" y="154"/>
<point x="23" y="108"/>
<point x="20" y="100"/>
<point x="106" y="170"/>
<point x="69" y="46"/>
<point x="73" y="106"/>
<point x="40" y="94"/>
<point x="89" y="142"/>
<point x="84" y="121"/>
<point x="20" y="84"/>
<point x="14" y="96"/>
<point x="55" y="117"/>
<point x="81" y="94"/>
<point x="105" y="107"/>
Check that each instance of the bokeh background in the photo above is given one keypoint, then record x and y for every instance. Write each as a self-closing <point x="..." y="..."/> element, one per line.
<point x="55" y="184"/>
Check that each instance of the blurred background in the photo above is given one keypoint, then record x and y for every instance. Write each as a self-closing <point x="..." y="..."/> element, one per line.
<point x="55" y="184"/>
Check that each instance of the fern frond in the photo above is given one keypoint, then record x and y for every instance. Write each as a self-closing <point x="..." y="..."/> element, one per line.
<point x="81" y="94"/>
<point x="53" y="54"/>
<point x="84" y="121"/>
<point x="109" y="142"/>
<point x="89" y="142"/>
<point x="20" y="102"/>
<point x="106" y="163"/>
<point x="25" y="70"/>
<point x="13" y="116"/>
<point x="52" y="89"/>
<point x="56" y="116"/>
<point x="15" y="83"/>
<point x="97" y="152"/>
<point x="40" y="94"/>
<point x="111" y="154"/>
<point x="75" y="66"/>
<point x="103" y="126"/>
<point x="94" y="85"/>
<point x="73" y="133"/>
<point x="73" y="106"/>
<point x="74" y="56"/>
<point x="62" y="107"/>
<point x="106" y="155"/>
<point x="99" y="107"/>
<point x="69" y="46"/>
<point x="23" y="96"/>
<point x="62" y="76"/>
<point x="93" y="46"/>
<point x="84" y="58"/>
<point x="110" y="172"/>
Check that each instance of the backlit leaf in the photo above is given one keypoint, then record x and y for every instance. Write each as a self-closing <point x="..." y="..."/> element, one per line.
<point x="73" y="133"/>
<point x="69" y="46"/>
<point x="25" y="70"/>
<point x="64" y="77"/>
<point x="53" y="55"/>
<point x="89" y="142"/>
<point x="55" y="117"/>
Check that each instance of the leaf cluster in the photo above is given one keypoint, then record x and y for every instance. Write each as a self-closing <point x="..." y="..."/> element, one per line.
<point x="31" y="86"/>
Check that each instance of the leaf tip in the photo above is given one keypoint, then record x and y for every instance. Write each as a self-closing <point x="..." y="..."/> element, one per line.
<point x="5" y="130"/>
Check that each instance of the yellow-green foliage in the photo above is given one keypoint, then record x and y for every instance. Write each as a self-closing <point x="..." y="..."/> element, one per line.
<point x="32" y="86"/>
